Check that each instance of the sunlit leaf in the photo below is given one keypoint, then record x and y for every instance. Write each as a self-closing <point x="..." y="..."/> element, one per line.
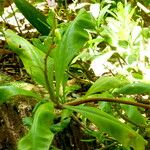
<point x="8" y="91"/>
<point x="106" y="123"/>
<point x="134" y="115"/>
<point x="134" y="88"/>
<point x="32" y="57"/>
<point x="34" y="16"/>
<point x="39" y="136"/>
<point x="72" y="41"/>
<point x="102" y="13"/>
<point x="105" y="84"/>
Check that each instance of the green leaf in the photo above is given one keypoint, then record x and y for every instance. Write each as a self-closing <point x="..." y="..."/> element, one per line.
<point x="134" y="88"/>
<point x="106" y="83"/>
<point x="72" y="41"/>
<point x="59" y="127"/>
<point x="34" y="16"/>
<point x="133" y="114"/>
<point x="102" y="14"/>
<point x="32" y="57"/>
<point x="2" y="6"/>
<point x="27" y="121"/>
<point x="39" y="137"/>
<point x="51" y="18"/>
<point x="8" y="91"/>
<point x="106" y="123"/>
<point x="37" y="43"/>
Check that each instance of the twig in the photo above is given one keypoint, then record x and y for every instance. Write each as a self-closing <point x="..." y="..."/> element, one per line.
<point x="78" y="79"/>
<point x="78" y="121"/>
<point x="88" y="75"/>
<point x="144" y="101"/>
<point x="122" y="58"/>
<point x="108" y="146"/>
<point x="114" y="100"/>
<point x="120" y="62"/>
<point x="15" y="17"/>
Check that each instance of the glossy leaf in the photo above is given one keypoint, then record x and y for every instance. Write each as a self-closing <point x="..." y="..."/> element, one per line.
<point x="133" y="114"/>
<point x="105" y="84"/>
<point x="32" y="57"/>
<point x="34" y="16"/>
<point x="39" y="136"/>
<point x="8" y="91"/>
<point x="106" y="123"/>
<point x="134" y="88"/>
<point x="71" y="43"/>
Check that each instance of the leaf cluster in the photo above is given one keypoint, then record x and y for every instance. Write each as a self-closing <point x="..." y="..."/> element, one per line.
<point x="104" y="47"/>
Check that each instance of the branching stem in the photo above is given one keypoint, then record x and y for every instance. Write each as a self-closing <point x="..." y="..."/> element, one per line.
<point x="114" y="100"/>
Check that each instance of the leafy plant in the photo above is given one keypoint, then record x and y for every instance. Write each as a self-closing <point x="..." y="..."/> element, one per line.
<point x="112" y="126"/>
<point x="39" y="133"/>
<point x="49" y="65"/>
<point x="26" y="51"/>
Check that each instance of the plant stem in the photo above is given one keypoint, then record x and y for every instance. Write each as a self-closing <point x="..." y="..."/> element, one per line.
<point x="114" y="100"/>
<point x="50" y="90"/>
<point x="50" y="87"/>
<point x="53" y="98"/>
